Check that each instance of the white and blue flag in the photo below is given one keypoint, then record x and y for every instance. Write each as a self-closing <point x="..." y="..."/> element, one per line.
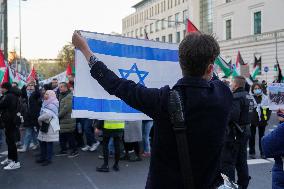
<point x="150" y="63"/>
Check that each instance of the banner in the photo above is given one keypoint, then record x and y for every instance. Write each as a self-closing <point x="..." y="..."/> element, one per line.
<point x="276" y="96"/>
<point x="60" y="77"/>
<point x="150" y="63"/>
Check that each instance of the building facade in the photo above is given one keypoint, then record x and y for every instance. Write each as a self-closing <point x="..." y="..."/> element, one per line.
<point x="1" y="25"/>
<point x="253" y="27"/>
<point x="160" y="20"/>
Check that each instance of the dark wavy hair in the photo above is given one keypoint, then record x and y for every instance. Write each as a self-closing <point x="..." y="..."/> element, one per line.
<point x="196" y="52"/>
<point x="254" y="85"/>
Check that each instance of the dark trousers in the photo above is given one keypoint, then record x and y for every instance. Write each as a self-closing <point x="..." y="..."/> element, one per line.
<point x="79" y="138"/>
<point x="69" y="138"/>
<point x="116" y="141"/>
<point x="46" y="150"/>
<point x="128" y="146"/>
<point x="10" y="131"/>
<point x="261" y="130"/>
<point x="234" y="156"/>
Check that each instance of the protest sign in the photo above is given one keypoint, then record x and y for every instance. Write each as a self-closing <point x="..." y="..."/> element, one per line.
<point x="276" y="96"/>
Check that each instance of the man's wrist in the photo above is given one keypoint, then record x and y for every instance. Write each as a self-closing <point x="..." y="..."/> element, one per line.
<point x="92" y="60"/>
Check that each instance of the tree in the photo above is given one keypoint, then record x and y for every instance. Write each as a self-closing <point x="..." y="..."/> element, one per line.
<point x="66" y="55"/>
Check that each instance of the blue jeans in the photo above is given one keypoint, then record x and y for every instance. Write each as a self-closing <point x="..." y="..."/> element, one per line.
<point x="111" y="146"/>
<point x="46" y="150"/>
<point x="146" y="128"/>
<point x="87" y="125"/>
<point x="30" y="136"/>
<point x="1" y="133"/>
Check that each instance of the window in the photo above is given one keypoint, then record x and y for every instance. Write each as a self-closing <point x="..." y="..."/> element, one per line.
<point x="228" y="29"/>
<point x="157" y="39"/>
<point x="170" y="38"/>
<point x="157" y="25"/>
<point x="136" y="33"/>
<point x="141" y="32"/>
<point x="185" y="16"/>
<point x="170" y="21"/>
<point x="177" y="37"/>
<point x="257" y="22"/>
<point x="151" y="28"/>
<point x="228" y="1"/>
<point x="176" y="18"/>
<point x="163" y="38"/>
<point x="146" y="30"/>
<point x="163" y="24"/>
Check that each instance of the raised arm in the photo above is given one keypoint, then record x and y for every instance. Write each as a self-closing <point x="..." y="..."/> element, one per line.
<point x="150" y="101"/>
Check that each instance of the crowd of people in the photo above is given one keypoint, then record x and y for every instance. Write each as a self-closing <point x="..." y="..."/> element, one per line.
<point x="219" y="122"/>
<point x="37" y="116"/>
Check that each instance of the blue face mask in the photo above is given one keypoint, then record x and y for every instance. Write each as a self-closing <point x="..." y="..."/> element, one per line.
<point x="29" y="92"/>
<point x="257" y="91"/>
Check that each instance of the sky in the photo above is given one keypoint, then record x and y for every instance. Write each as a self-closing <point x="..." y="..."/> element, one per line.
<point x="47" y="25"/>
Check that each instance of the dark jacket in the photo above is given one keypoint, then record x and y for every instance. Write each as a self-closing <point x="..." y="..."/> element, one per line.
<point x="33" y="106"/>
<point x="239" y="116"/>
<point x="273" y="147"/>
<point x="207" y="107"/>
<point x="67" y="124"/>
<point x="8" y="107"/>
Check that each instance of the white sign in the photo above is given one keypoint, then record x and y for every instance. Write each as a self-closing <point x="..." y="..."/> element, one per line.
<point x="276" y="96"/>
<point x="60" y="77"/>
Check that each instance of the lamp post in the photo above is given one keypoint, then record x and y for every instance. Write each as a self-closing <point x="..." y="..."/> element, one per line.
<point x="20" y="32"/>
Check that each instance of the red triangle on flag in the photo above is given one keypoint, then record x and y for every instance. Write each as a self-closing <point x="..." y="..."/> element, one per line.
<point x="6" y="76"/>
<point x="69" y="70"/>
<point x="33" y="75"/>
<point x="2" y="60"/>
<point x="191" y="27"/>
<point x="239" y="60"/>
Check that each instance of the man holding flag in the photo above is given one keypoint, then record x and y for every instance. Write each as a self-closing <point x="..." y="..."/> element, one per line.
<point x="207" y="105"/>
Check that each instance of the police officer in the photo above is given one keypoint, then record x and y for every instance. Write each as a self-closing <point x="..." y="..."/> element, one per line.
<point x="234" y="154"/>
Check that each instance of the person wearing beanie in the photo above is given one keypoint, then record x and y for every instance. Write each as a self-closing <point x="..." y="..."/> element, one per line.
<point x="9" y="108"/>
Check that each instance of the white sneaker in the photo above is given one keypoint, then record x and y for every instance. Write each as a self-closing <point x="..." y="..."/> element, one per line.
<point x="13" y="165"/>
<point x="94" y="146"/>
<point x="23" y="149"/>
<point x="6" y="161"/>
<point x="86" y="148"/>
<point x="34" y="147"/>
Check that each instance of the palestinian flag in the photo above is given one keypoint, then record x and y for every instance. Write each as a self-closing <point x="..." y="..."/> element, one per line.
<point x="280" y="76"/>
<point x="256" y="68"/>
<point x="2" y="65"/>
<point x="18" y="79"/>
<point x="224" y="66"/>
<point x="33" y="75"/>
<point x="68" y="70"/>
<point x="190" y="27"/>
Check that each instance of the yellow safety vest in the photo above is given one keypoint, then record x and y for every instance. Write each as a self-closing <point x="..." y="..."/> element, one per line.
<point x="114" y="124"/>
<point x="264" y="111"/>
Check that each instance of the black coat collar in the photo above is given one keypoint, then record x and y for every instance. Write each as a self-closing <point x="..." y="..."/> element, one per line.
<point x="197" y="82"/>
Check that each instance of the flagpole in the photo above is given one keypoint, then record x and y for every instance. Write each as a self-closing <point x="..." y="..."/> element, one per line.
<point x="276" y="45"/>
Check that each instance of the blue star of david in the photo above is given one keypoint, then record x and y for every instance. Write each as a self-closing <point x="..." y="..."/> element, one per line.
<point x="134" y="70"/>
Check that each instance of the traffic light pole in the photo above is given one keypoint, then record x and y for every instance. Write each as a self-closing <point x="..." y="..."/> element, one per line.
<point x="5" y="12"/>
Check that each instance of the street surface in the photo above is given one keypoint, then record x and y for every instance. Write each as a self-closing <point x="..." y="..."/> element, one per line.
<point x="80" y="173"/>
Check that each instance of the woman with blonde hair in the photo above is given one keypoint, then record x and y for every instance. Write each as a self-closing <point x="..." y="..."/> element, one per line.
<point x="49" y="127"/>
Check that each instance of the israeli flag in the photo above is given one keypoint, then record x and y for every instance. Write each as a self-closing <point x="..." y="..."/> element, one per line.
<point x="150" y="63"/>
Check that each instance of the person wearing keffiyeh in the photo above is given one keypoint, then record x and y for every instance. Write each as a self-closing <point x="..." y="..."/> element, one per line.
<point x="48" y="112"/>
